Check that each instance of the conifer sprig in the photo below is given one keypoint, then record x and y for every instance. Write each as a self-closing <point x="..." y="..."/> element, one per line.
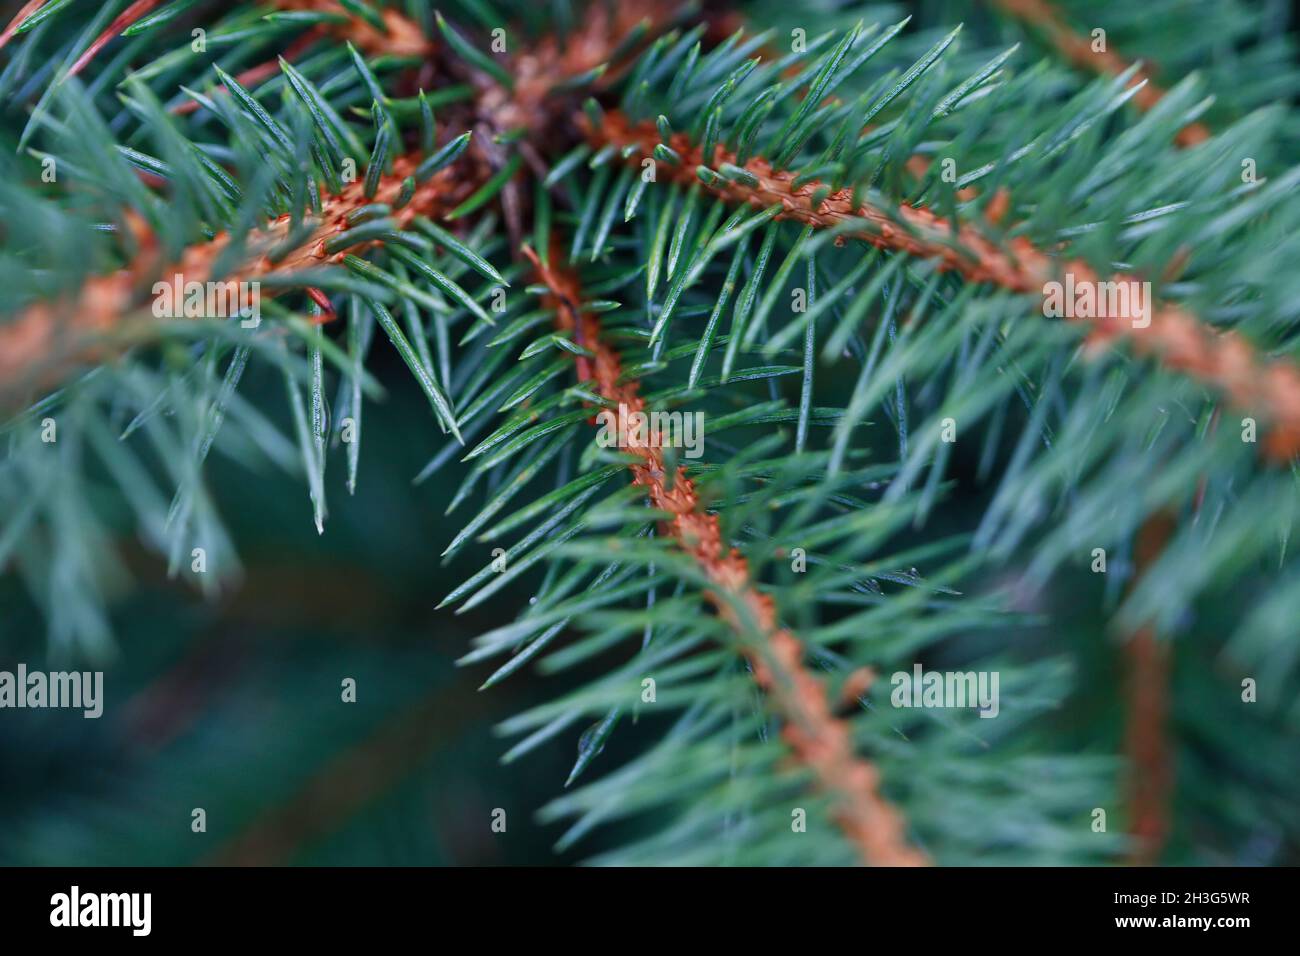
<point x="1175" y="337"/>
<point x="1079" y="50"/>
<point x="819" y="740"/>
<point x="39" y="343"/>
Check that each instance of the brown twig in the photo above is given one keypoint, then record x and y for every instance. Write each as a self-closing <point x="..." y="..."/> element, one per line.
<point x="820" y="740"/>
<point x="49" y="335"/>
<point x="531" y="103"/>
<point x="1174" y="336"/>
<point x="538" y="69"/>
<point x="1077" y="49"/>
<point x="401" y="35"/>
<point x="1150" y="777"/>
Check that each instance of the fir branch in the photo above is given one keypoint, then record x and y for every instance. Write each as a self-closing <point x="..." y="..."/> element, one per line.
<point x="400" y="37"/>
<point x="528" y="99"/>
<point x="44" y="340"/>
<point x="819" y="740"/>
<point x="262" y="72"/>
<point x="392" y="33"/>
<point x="1146" y="658"/>
<point x="39" y="338"/>
<point x="1175" y="337"/>
<point x="553" y="64"/>
<point x="522" y="111"/>
<point x="1043" y="16"/>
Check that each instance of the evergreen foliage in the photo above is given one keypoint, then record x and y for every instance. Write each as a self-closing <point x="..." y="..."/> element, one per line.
<point x="835" y="247"/>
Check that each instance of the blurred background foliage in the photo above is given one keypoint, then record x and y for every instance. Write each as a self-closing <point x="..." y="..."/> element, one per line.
<point x="235" y="705"/>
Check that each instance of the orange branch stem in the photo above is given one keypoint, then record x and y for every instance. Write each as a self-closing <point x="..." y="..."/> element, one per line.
<point x="1174" y="336"/>
<point x="1077" y="49"/>
<point x="819" y="739"/>
<point x="1150" y="776"/>
<point x="48" y="335"/>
